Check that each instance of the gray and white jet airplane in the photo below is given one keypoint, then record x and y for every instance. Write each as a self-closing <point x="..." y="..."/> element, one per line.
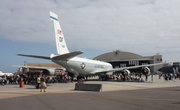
<point x="77" y="65"/>
<point x="7" y="74"/>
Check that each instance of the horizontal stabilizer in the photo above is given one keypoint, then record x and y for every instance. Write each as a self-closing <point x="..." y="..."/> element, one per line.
<point x="38" y="67"/>
<point x="35" y="56"/>
<point x="67" y="56"/>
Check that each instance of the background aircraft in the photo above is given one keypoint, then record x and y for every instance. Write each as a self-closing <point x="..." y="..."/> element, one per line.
<point x="170" y="69"/>
<point x="81" y="66"/>
<point x="7" y="74"/>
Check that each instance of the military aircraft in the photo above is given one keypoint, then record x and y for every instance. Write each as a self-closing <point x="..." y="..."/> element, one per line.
<point x="77" y="65"/>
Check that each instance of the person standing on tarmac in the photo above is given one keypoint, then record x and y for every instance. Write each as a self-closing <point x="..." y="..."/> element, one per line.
<point x="43" y="83"/>
<point x="38" y="82"/>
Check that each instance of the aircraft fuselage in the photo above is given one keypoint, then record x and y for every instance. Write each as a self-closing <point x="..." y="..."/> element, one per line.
<point x="83" y="66"/>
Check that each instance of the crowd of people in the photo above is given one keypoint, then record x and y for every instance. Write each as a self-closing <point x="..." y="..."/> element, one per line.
<point x="169" y="76"/>
<point x="33" y="79"/>
<point x="36" y="79"/>
<point x="15" y="79"/>
<point x="123" y="77"/>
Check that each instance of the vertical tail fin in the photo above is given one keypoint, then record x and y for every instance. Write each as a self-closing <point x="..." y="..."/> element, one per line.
<point x="59" y="37"/>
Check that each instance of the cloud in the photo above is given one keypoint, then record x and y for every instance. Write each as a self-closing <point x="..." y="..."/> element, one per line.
<point x="141" y="26"/>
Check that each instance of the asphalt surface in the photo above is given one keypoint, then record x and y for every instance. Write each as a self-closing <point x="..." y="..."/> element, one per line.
<point x="156" y="95"/>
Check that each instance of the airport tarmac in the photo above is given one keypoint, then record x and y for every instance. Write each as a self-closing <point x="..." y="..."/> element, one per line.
<point x="158" y="95"/>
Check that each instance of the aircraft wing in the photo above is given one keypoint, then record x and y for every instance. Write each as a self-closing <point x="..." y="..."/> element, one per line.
<point x="124" y="68"/>
<point x="131" y="67"/>
<point x="35" y="56"/>
<point x="67" y="56"/>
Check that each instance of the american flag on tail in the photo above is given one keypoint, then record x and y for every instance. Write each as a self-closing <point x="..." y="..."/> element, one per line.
<point x="59" y="31"/>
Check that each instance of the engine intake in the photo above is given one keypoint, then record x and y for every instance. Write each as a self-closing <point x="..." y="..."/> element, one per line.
<point x="145" y="71"/>
<point x="126" y="72"/>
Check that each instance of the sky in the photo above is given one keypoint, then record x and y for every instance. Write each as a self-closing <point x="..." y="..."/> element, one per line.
<point x="144" y="27"/>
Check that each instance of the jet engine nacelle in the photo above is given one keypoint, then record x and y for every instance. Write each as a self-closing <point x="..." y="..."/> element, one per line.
<point x="145" y="71"/>
<point x="126" y="72"/>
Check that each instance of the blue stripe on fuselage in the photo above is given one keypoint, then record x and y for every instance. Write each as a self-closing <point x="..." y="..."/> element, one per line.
<point x="53" y="18"/>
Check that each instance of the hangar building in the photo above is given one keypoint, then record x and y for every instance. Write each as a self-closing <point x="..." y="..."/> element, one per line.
<point x="47" y="69"/>
<point x="124" y="59"/>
